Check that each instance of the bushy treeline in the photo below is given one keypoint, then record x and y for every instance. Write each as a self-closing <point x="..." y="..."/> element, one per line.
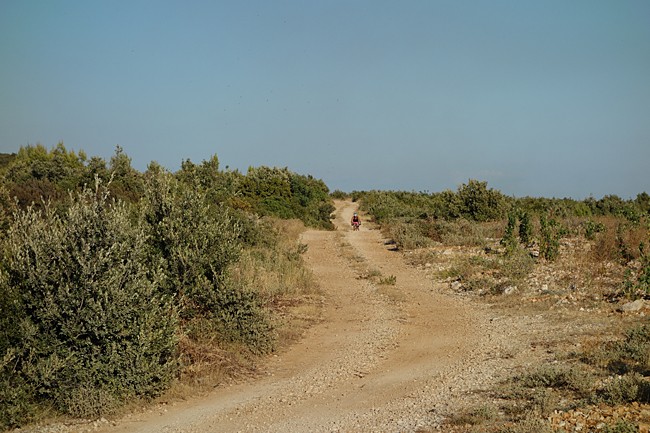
<point x="474" y="201"/>
<point x="415" y="219"/>
<point x="105" y="269"/>
<point x="36" y="173"/>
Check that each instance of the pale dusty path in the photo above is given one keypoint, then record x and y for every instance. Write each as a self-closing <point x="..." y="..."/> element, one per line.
<point x="375" y="363"/>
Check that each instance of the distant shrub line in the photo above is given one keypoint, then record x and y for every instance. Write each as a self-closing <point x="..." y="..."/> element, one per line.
<point x="474" y="201"/>
<point x="35" y="174"/>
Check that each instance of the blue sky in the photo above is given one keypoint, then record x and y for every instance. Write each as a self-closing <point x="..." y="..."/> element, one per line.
<point x="540" y="98"/>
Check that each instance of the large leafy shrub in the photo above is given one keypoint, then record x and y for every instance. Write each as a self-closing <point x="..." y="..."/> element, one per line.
<point x="480" y="203"/>
<point x="195" y="241"/>
<point x="84" y="322"/>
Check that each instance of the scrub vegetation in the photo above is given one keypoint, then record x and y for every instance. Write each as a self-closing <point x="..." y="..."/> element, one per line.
<point x="538" y="256"/>
<point x="117" y="285"/>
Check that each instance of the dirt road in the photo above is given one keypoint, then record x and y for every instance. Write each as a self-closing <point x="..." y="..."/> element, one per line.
<point x="385" y="358"/>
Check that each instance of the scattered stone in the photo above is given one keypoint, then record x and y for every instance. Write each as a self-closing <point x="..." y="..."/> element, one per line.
<point x="632" y="306"/>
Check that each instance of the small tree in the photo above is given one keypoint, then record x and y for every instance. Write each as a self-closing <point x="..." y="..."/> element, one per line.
<point x="480" y="203"/>
<point x="550" y="238"/>
<point x="509" y="240"/>
<point x="525" y="228"/>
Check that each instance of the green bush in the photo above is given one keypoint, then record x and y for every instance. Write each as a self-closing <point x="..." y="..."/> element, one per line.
<point x="624" y="389"/>
<point x="284" y="194"/>
<point x="87" y="315"/>
<point x="516" y="266"/>
<point x="637" y="284"/>
<point x="241" y="318"/>
<point x="460" y="232"/>
<point x="550" y="238"/>
<point x="473" y="201"/>
<point x="525" y="228"/>
<point x="408" y="235"/>
<point x="558" y="377"/>
<point x="195" y="242"/>
<point x="621" y="426"/>
<point x="509" y="240"/>
<point x="339" y="195"/>
<point x="480" y="203"/>
<point x="592" y="228"/>
<point x="192" y="240"/>
<point x="633" y="353"/>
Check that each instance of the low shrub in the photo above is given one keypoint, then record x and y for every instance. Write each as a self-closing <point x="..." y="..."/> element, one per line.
<point x="391" y="280"/>
<point x="558" y="377"/>
<point x="621" y="426"/>
<point x="632" y="354"/>
<point x="408" y="236"/>
<point x="592" y="228"/>
<point x="624" y="389"/>
<point x="550" y="233"/>
<point x="460" y="232"/>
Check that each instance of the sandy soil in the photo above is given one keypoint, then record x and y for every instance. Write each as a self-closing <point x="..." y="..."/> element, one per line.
<point x="384" y="358"/>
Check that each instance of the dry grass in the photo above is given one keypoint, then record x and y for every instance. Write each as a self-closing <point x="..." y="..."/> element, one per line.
<point x="578" y="294"/>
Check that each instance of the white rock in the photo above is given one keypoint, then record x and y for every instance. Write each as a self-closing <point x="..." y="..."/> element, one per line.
<point x="632" y="306"/>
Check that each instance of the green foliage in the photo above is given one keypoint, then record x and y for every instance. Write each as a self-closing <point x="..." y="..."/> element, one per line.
<point x="634" y="351"/>
<point x="621" y="426"/>
<point x="282" y="193"/>
<point x="637" y="283"/>
<point x="459" y="232"/>
<point x="94" y="292"/>
<point x="391" y="280"/>
<point x="36" y="174"/>
<point x="241" y="318"/>
<point x="195" y="241"/>
<point x="592" y="228"/>
<point x="610" y="205"/>
<point x="480" y="203"/>
<point x="126" y="183"/>
<point x="624" y="389"/>
<point x="88" y="317"/>
<point x="624" y="249"/>
<point x="339" y="195"/>
<point x="263" y="190"/>
<point x="525" y="228"/>
<point x="516" y="266"/>
<point x="642" y="201"/>
<point x="558" y="377"/>
<point x="509" y="239"/>
<point x="409" y="235"/>
<point x="56" y="165"/>
<point x="473" y="201"/>
<point x="7" y="208"/>
<point x="550" y="232"/>
<point x="5" y="160"/>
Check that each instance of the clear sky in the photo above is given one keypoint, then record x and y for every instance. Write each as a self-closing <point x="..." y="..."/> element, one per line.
<point x="542" y="98"/>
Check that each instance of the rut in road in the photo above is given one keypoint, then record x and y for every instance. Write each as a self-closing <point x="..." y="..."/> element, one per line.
<point x="380" y="360"/>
